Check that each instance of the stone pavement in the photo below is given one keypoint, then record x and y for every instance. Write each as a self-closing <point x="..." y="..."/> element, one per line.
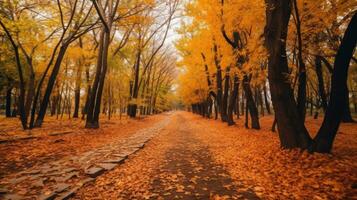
<point x="62" y="178"/>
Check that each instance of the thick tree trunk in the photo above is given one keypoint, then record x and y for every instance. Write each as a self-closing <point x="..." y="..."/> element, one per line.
<point x="98" y="85"/>
<point x="326" y="135"/>
<point x="90" y="123"/>
<point x="292" y="132"/>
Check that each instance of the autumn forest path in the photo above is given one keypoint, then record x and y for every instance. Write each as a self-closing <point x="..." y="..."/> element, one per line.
<point x="166" y="158"/>
<point x="174" y="165"/>
<point x="195" y="174"/>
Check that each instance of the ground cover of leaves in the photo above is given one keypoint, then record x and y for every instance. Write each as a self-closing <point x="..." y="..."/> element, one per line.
<point x="255" y="157"/>
<point x="174" y="165"/>
<point x="197" y="158"/>
<point x="21" y="154"/>
<point x="249" y="164"/>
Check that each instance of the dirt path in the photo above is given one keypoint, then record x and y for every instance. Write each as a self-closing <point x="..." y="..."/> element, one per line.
<point x="198" y="176"/>
<point x="174" y="165"/>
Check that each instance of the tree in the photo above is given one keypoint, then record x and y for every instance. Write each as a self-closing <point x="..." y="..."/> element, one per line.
<point x="292" y="131"/>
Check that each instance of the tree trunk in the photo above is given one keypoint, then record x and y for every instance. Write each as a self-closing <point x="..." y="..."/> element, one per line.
<point x="232" y="100"/>
<point x="267" y="104"/>
<point x="50" y="85"/>
<point x="322" y="93"/>
<point x="8" y="101"/>
<point x="90" y="122"/>
<point x="98" y="85"/>
<point x="260" y="97"/>
<point x="77" y="97"/>
<point x="225" y="96"/>
<point x="326" y="135"/>
<point x="346" y="116"/>
<point x="292" y="132"/>
<point x="133" y="106"/>
<point x="253" y="111"/>
<point x="218" y="79"/>
<point x="238" y="103"/>
<point x="89" y="88"/>
<point x="246" y="114"/>
<point x="301" y="99"/>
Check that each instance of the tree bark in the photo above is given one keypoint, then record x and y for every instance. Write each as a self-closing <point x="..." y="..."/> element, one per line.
<point x="98" y="85"/>
<point x="326" y="135"/>
<point x="292" y="132"/>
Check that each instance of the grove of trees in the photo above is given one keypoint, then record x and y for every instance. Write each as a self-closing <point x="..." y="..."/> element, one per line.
<point x="247" y="57"/>
<point x="236" y="59"/>
<point x="79" y="57"/>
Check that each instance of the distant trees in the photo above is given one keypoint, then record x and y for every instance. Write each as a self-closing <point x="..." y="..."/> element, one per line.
<point x="231" y="49"/>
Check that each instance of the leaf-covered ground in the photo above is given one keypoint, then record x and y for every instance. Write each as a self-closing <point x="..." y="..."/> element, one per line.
<point x="21" y="154"/>
<point x="195" y="158"/>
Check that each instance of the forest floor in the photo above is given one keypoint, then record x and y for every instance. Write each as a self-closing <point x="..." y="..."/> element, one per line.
<point x="195" y="158"/>
<point x="58" y="138"/>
